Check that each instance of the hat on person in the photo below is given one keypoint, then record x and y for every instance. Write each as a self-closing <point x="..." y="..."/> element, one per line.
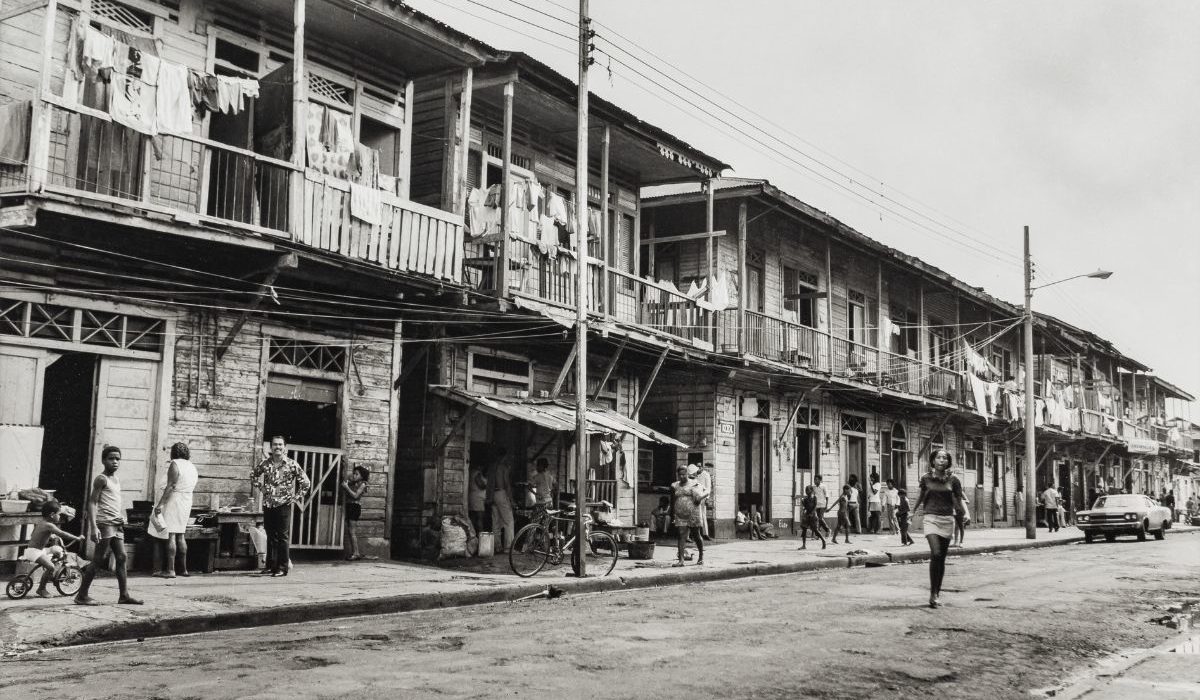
<point x="693" y="470"/>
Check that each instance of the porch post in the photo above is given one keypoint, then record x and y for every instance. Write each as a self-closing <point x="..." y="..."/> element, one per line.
<point x="299" y="121"/>
<point x="879" y="339"/>
<point x="406" y="133"/>
<point x="829" y="303"/>
<point x="505" y="184"/>
<point x="923" y="337"/>
<point x="743" y="287"/>
<point x="608" y="248"/>
<point x="39" y="130"/>
<point x="464" y="143"/>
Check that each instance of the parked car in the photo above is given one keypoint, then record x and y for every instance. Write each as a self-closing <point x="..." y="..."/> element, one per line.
<point x="1124" y="514"/>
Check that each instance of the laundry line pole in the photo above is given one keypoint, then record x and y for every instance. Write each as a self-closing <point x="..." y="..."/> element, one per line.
<point x="581" y="288"/>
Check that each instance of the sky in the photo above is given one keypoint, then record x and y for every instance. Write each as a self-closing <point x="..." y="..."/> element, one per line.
<point x="939" y="128"/>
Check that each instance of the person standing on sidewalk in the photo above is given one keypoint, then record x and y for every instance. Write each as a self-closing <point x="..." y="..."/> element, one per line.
<point x="940" y="500"/>
<point x="852" y="503"/>
<point x="105" y="525"/>
<point x="808" y="518"/>
<point x="1050" y="503"/>
<point x="175" y="508"/>
<point x="902" y="517"/>
<point x="822" y="496"/>
<point x="890" y="501"/>
<point x="282" y="482"/>
<point x="502" y="511"/>
<point x="874" y="506"/>
<point x="842" y="506"/>
<point x="704" y="479"/>
<point x="353" y="489"/>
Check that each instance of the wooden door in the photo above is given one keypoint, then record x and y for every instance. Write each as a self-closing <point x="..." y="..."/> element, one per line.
<point x="125" y="416"/>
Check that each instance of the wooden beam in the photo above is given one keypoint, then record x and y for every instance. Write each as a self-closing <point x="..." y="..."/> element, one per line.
<point x="649" y="383"/>
<point x="682" y="237"/>
<point x="609" y="370"/>
<point x="409" y="365"/>
<point x="22" y="9"/>
<point x="562" y="373"/>
<point x="929" y="439"/>
<point x="464" y="116"/>
<point x="287" y="261"/>
<point x="806" y="295"/>
<point x="454" y="428"/>
<point x="792" y="419"/>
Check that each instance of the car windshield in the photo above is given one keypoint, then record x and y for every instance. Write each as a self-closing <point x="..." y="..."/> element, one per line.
<point x="1122" y="501"/>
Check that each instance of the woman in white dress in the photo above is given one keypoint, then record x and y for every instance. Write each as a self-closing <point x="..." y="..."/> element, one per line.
<point x="174" y="508"/>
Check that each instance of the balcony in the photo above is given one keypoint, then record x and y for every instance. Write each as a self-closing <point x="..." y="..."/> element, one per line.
<point x="205" y="183"/>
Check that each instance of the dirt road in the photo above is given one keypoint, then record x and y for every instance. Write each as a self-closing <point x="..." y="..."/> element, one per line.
<point x="1012" y="622"/>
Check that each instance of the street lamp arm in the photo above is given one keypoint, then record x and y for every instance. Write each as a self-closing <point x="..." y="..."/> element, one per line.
<point x="1098" y="274"/>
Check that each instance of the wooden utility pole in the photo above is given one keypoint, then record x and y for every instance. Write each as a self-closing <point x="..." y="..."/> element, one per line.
<point x="581" y="277"/>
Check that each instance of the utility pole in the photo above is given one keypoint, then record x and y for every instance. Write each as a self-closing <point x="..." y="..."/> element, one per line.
<point x="581" y="288"/>
<point x="1030" y="427"/>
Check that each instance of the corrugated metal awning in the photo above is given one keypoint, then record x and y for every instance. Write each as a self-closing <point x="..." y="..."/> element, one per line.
<point x="553" y="414"/>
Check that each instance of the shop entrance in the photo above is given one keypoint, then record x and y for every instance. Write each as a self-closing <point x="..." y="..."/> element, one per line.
<point x="856" y="463"/>
<point x="753" y="476"/>
<point x="68" y="398"/>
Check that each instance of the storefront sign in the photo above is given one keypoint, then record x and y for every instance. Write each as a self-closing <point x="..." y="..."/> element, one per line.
<point x="1141" y="446"/>
<point x="725" y="428"/>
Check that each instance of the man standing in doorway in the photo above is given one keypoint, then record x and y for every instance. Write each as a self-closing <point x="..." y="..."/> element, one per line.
<point x="1050" y="503"/>
<point x="502" y="511"/>
<point x="282" y="482"/>
<point x="105" y="525"/>
<point x="822" y="497"/>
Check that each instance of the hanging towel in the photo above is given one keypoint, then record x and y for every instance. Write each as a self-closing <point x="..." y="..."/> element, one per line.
<point x="606" y="452"/>
<point x="556" y="208"/>
<point x="364" y="168"/>
<point x="365" y="203"/>
<point x="1015" y="405"/>
<point x="979" y="395"/>
<point x="174" y="100"/>
<point x="14" y="138"/>
<point x="132" y="98"/>
<point x="547" y="236"/>
<point x="97" y="50"/>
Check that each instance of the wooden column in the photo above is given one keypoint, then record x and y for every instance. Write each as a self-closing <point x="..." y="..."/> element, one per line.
<point x="829" y="303"/>
<point x="879" y="339"/>
<point x="609" y="246"/>
<point x="502" y="250"/>
<point x="743" y="288"/>
<point x="39" y="129"/>
<point x="296" y="204"/>
<point x="923" y="333"/>
<point x="406" y="133"/>
<point x="709" y="224"/>
<point x="464" y="142"/>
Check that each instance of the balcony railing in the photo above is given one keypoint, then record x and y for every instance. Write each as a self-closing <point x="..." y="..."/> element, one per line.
<point x="635" y="300"/>
<point x="197" y="179"/>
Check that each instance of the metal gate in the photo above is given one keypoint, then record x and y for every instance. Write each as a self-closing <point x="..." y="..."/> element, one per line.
<point x="317" y="518"/>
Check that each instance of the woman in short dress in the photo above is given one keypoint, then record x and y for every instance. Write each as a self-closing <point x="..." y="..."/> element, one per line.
<point x="940" y="500"/>
<point x="685" y="512"/>
<point x="175" y="509"/>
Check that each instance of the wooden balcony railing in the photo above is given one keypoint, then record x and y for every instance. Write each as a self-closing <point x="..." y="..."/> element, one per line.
<point x="635" y="300"/>
<point x="208" y="181"/>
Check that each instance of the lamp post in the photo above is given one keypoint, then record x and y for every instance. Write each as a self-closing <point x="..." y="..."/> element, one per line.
<point x="1030" y="429"/>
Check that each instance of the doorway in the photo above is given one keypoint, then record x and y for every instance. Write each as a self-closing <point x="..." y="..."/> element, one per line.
<point x="68" y="397"/>
<point x="753" y="477"/>
<point x="856" y="464"/>
<point x="806" y="463"/>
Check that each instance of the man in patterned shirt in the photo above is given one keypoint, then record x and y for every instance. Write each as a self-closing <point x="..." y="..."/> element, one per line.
<point x="282" y="482"/>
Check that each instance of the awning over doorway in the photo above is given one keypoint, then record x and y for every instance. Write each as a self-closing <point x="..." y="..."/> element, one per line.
<point x="553" y="414"/>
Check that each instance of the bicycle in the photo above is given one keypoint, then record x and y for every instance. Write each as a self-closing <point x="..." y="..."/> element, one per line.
<point x="542" y="543"/>
<point x="67" y="578"/>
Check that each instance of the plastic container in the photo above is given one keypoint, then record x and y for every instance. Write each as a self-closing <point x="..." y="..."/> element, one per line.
<point x="487" y="544"/>
<point x="641" y="534"/>
<point x="640" y="550"/>
<point x="14" y="506"/>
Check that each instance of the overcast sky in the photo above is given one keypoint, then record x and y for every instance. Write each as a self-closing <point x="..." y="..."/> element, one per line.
<point x="1080" y="119"/>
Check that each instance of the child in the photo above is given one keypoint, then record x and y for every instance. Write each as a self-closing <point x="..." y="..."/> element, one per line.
<point x="961" y="521"/>
<point x="662" y="515"/>
<point x="902" y="517"/>
<point x="43" y="547"/>
<point x="758" y="528"/>
<point x="842" y="504"/>
<point x="353" y="490"/>
<point x="808" y="518"/>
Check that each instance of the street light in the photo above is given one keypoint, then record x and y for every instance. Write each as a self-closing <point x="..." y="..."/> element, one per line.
<point x="1030" y="431"/>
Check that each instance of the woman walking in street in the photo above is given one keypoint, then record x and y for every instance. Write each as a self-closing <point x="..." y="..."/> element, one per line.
<point x="940" y="498"/>
<point x="685" y="512"/>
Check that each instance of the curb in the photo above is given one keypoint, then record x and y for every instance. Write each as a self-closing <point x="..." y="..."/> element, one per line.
<point x="328" y="610"/>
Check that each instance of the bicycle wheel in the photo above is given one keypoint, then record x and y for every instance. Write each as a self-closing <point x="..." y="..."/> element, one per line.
<point x="69" y="580"/>
<point x="601" y="554"/>
<point x="530" y="549"/>
<point x="18" y="587"/>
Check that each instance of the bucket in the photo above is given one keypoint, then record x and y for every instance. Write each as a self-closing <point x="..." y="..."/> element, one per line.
<point x="641" y="534"/>
<point x="640" y="550"/>
<point x="487" y="544"/>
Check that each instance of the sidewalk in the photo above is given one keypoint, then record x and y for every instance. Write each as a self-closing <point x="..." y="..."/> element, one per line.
<point x="323" y="590"/>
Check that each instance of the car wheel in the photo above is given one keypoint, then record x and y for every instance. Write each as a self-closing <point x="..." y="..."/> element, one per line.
<point x="1109" y="537"/>
<point x="1088" y="537"/>
<point x="1141" y="534"/>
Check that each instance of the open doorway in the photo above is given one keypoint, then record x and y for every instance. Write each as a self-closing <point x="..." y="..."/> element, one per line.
<point x="753" y="476"/>
<point x="68" y="397"/>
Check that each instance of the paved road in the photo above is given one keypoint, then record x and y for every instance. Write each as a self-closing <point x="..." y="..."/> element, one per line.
<point x="1012" y="622"/>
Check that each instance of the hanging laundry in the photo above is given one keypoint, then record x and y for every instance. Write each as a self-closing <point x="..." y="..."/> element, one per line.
<point x="1039" y="412"/>
<point x="322" y="130"/>
<point x="494" y="194"/>
<point x="14" y="138"/>
<point x="365" y="203"/>
<point x="547" y="236"/>
<point x="203" y="89"/>
<point x="606" y="451"/>
<point x="697" y="290"/>
<point x="133" y="97"/>
<point x="97" y="51"/>
<point x="978" y="395"/>
<point x="993" y="394"/>
<point x="720" y="291"/>
<point x="174" y="100"/>
<point x="1016" y="405"/>
<point x="364" y="167"/>
<point x="556" y="208"/>
<point x="595" y="224"/>
<point x="535" y="194"/>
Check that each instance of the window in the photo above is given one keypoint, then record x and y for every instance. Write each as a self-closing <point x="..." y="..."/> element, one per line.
<point x="941" y="347"/>
<point x="974" y="452"/>
<point x="801" y="310"/>
<point x="894" y="443"/>
<point x="937" y="441"/>
<point x="385" y="139"/>
<point x="308" y="354"/>
<point x="856" y="318"/>
<point x="1002" y="358"/>
<point x="498" y="373"/>
<point x="854" y="424"/>
<point x="905" y="329"/>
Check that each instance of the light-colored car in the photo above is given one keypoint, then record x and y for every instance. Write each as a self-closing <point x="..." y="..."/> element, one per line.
<point x="1124" y="514"/>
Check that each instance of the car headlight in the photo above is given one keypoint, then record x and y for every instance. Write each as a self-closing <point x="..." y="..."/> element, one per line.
<point x="1131" y="516"/>
<point x="1083" y="518"/>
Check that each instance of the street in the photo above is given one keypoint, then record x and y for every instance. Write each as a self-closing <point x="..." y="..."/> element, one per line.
<point x="1012" y="622"/>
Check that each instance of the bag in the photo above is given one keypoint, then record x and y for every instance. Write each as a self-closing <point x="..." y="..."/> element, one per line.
<point x="157" y="527"/>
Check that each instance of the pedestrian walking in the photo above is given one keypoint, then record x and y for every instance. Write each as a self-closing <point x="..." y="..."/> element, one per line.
<point x="1050" y="504"/>
<point x="704" y="480"/>
<point x="174" y="509"/>
<point x="685" y="513"/>
<point x="941" y="494"/>
<point x="874" y="506"/>
<point x="353" y="489"/>
<point x="890" y="501"/>
<point x="104" y="521"/>
<point x="282" y="483"/>
<point x="842" y="505"/>
<point x="1191" y="506"/>
<point x="822" y="496"/>
<point x="852" y="503"/>
<point x="808" y="518"/>
<point x="902" y="516"/>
